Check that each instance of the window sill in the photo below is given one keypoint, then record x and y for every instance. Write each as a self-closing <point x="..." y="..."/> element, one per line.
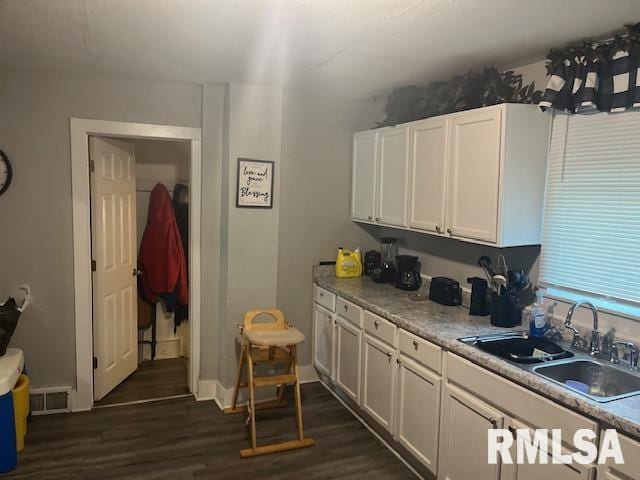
<point x="611" y="307"/>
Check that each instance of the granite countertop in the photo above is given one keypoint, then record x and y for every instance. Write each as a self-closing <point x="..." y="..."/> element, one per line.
<point x="443" y="326"/>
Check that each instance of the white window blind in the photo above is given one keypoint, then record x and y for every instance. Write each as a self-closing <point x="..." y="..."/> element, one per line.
<point x="591" y="231"/>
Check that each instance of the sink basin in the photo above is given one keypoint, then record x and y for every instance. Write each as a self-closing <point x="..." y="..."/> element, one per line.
<point x="602" y="383"/>
<point x="520" y="348"/>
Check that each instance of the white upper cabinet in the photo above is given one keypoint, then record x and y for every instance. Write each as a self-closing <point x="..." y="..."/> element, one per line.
<point x="392" y="180"/>
<point x="428" y="174"/>
<point x="476" y="176"/>
<point x="363" y="193"/>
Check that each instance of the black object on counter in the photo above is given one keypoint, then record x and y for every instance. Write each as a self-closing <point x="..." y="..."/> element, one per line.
<point x="372" y="260"/>
<point x="505" y="311"/>
<point x="445" y="291"/>
<point x="408" y="277"/>
<point x="479" y="303"/>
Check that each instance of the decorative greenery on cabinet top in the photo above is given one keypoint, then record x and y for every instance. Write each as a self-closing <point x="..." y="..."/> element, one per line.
<point x="461" y="92"/>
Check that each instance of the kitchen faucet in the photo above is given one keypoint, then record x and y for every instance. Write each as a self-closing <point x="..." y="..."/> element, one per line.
<point x="594" y="346"/>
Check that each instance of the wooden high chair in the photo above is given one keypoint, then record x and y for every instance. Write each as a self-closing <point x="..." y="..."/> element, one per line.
<point x="270" y="343"/>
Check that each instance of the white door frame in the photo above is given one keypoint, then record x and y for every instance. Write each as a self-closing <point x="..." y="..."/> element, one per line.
<point x="81" y="129"/>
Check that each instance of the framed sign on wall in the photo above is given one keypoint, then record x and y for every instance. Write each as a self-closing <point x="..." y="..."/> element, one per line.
<point x="255" y="183"/>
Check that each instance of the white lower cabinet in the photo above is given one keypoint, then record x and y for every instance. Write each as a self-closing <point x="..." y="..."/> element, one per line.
<point x="323" y="340"/>
<point x="539" y="470"/>
<point x="418" y="411"/>
<point x="378" y="380"/>
<point x="630" y="469"/>
<point x="463" y="440"/>
<point x="348" y="358"/>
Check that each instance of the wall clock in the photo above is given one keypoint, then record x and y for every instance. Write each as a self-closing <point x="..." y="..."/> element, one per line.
<point x="6" y="172"/>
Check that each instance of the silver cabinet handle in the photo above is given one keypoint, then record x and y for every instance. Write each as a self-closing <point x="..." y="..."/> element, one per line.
<point x="438" y="228"/>
<point x="346" y="307"/>
<point x="370" y="218"/>
<point x="398" y="361"/>
<point x="376" y="324"/>
<point x="415" y="344"/>
<point x="321" y="294"/>
<point x="137" y="272"/>
<point x="377" y="219"/>
<point x="389" y="355"/>
<point x="449" y="231"/>
<point x="493" y="422"/>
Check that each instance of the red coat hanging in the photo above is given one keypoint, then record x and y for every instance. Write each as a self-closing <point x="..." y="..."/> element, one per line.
<point x="161" y="257"/>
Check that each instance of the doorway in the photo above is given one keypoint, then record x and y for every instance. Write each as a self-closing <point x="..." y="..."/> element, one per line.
<point x="81" y="131"/>
<point x="140" y="339"/>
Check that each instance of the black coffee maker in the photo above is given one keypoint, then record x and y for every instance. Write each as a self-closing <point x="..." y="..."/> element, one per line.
<point x="408" y="276"/>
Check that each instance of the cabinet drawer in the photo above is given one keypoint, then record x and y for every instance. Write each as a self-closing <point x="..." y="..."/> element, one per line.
<point x="538" y="411"/>
<point x="325" y="298"/>
<point x="350" y="311"/>
<point x="380" y="328"/>
<point x="420" y="350"/>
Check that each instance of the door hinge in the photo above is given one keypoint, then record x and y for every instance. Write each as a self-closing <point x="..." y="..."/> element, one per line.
<point x="92" y="166"/>
<point x="93" y="266"/>
<point x="95" y="363"/>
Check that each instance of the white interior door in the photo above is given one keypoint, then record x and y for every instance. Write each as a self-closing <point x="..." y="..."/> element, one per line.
<point x="113" y="230"/>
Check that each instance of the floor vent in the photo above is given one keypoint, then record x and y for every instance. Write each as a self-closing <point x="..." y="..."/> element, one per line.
<point x="50" y="400"/>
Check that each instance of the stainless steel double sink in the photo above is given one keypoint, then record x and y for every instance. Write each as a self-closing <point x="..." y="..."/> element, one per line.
<point x="568" y="368"/>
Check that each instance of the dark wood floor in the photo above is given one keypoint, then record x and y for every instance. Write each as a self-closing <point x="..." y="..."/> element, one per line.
<point x="152" y="379"/>
<point x="185" y="439"/>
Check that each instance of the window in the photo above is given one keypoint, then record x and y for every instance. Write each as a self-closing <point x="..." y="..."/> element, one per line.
<point x="591" y="230"/>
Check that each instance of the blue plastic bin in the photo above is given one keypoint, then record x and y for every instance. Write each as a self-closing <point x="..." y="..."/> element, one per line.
<point x="8" y="451"/>
<point x="11" y="365"/>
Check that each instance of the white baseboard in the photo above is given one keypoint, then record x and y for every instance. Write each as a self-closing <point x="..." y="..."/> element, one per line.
<point x="308" y="374"/>
<point x="206" y="390"/>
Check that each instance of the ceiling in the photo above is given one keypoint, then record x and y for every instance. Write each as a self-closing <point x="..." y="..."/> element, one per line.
<point x="343" y="48"/>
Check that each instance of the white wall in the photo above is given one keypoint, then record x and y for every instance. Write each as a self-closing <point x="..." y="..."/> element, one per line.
<point x="253" y="121"/>
<point x="315" y="193"/>
<point x="36" y="211"/>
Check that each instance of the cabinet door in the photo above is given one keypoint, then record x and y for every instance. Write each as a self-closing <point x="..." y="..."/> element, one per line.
<point x="474" y="175"/>
<point x="323" y="328"/>
<point x="378" y="380"/>
<point x="630" y="469"/>
<point x="418" y="412"/>
<point x="537" y="470"/>
<point x="363" y="186"/>
<point x="427" y="174"/>
<point x="348" y="355"/>
<point x="392" y="180"/>
<point x="463" y="439"/>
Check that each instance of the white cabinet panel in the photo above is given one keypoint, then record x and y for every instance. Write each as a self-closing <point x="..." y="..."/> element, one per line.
<point x="323" y="340"/>
<point x="630" y="470"/>
<point x="418" y="412"/>
<point x="378" y="380"/>
<point x="474" y="175"/>
<point x="363" y="194"/>
<point x="428" y="160"/>
<point x="392" y="191"/>
<point x="348" y="356"/>
<point x="463" y="440"/>
<point x="537" y="470"/>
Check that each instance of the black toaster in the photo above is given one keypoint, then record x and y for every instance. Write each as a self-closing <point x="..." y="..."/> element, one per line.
<point x="445" y="291"/>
